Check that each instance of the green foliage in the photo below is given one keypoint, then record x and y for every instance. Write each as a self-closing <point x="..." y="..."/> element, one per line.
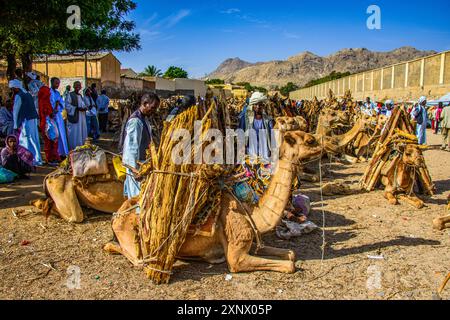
<point x="30" y="27"/>
<point x="332" y="76"/>
<point x="289" y="87"/>
<point x="215" y="81"/>
<point x="175" y="72"/>
<point x="251" y="88"/>
<point x="151" y="71"/>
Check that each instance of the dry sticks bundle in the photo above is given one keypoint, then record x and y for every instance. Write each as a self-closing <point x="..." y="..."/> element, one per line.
<point x="173" y="194"/>
<point x="397" y="132"/>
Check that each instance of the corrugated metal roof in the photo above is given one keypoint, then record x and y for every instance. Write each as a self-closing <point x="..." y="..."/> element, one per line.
<point x="90" y="56"/>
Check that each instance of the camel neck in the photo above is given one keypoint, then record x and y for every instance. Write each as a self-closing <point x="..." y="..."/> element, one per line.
<point x="270" y="209"/>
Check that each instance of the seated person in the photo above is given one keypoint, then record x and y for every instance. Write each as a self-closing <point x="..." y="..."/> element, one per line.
<point x="16" y="158"/>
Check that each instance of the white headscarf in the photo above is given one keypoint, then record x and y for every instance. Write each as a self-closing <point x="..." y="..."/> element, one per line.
<point x="256" y="98"/>
<point x="390" y="102"/>
<point x="15" y="84"/>
<point x="422" y="99"/>
<point x="31" y="75"/>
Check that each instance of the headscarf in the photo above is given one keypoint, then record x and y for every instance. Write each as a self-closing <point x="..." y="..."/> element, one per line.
<point x="15" y="83"/>
<point x="256" y="98"/>
<point x="24" y="154"/>
<point x="422" y="99"/>
<point x="31" y="75"/>
<point x="389" y="102"/>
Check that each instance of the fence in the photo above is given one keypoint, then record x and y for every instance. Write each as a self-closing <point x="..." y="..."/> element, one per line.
<point x="406" y="81"/>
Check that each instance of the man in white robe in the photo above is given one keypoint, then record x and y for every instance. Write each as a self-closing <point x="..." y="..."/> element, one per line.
<point x="76" y="117"/>
<point x="137" y="140"/>
<point x="26" y="119"/>
<point x="58" y="104"/>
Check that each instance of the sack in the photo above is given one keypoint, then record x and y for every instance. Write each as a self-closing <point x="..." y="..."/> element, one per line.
<point x="88" y="162"/>
<point x="6" y="176"/>
<point x="51" y="129"/>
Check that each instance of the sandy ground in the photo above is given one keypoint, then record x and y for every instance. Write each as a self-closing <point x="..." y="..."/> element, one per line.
<point x="415" y="257"/>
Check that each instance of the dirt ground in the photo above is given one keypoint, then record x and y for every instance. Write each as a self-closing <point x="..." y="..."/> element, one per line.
<point x="415" y="258"/>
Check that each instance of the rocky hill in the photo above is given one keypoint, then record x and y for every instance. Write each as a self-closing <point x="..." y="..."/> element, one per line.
<point x="307" y="66"/>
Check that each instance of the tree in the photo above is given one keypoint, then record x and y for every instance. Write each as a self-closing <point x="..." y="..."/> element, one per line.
<point x="251" y="88"/>
<point x="289" y="87"/>
<point x="332" y="76"/>
<point x="29" y="27"/>
<point x="151" y="71"/>
<point x="215" y="81"/>
<point x="175" y="72"/>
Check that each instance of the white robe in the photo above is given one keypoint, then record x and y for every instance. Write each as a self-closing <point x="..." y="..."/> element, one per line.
<point x="29" y="134"/>
<point x="77" y="132"/>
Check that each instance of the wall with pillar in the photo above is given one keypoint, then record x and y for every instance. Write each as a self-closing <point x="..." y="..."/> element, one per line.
<point x="407" y="81"/>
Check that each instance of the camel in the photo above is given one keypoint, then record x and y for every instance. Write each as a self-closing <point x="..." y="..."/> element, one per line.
<point x="66" y="197"/>
<point x="331" y="120"/>
<point x="234" y="235"/>
<point x="443" y="222"/>
<point x="399" y="177"/>
<point x="291" y="124"/>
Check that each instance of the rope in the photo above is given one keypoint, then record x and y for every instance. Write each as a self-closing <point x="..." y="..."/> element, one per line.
<point x="323" y="211"/>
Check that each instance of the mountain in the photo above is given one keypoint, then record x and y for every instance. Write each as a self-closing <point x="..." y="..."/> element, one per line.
<point x="308" y="66"/>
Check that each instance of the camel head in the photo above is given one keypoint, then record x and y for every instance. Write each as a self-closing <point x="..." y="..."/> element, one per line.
<point x="412" y="155"/>
<point x="381" y="122"/>
<point x="291" y="124"/>
<point x="299" y="146"/>
<point x="333" y="118"/>
<point x="367" y="122"/>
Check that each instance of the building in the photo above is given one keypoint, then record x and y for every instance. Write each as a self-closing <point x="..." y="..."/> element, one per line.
<point x="100" y="68"/>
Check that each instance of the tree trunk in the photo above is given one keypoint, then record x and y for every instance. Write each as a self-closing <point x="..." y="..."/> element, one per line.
<point x="27" y="62"/>
<point x="12" y="64"/>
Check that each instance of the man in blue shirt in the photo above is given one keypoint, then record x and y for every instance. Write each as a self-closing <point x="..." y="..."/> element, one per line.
<point x="103" y="105"/>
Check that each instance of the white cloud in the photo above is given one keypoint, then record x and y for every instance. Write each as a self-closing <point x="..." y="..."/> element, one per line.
<point x="231" y="11"/>
<point x="175" y="18"/>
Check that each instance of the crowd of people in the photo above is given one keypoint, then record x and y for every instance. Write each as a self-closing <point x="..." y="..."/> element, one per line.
<point x="35" y="112"/>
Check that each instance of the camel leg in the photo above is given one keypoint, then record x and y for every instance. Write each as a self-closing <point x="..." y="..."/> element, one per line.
<point x="62" y="192"/>
<point x="243" y="262"/>
<point x="237" y="242"/>
<point x="284" y="254"/>
<point x="125" y="228"/>
<point x="412" y="200"/>
<point x="391" y="198"/>
<point x="440" y="223"/>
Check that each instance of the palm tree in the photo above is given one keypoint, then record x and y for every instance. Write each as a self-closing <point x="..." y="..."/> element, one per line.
<point x="151" y="71"/>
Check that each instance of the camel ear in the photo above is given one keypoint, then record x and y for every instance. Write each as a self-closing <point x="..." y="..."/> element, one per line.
<point x="290" y="139"/>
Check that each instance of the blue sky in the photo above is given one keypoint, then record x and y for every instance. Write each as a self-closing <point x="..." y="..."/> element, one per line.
<point x="199" y="35"/>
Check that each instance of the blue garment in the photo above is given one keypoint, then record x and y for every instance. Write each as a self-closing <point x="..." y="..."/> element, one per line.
<point x="6" y="122"/>
<point x="132" y="153"/>
<point x="102" y="103"/>
<point x="421" y="129"/>
<point x="25" y="117"/>
<point x="63" y="146"/>
<point x="368" y="108"/>
<point x="93" y="127"/>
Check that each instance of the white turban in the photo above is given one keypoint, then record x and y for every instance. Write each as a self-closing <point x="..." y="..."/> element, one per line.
<point x="422" y="99"/>
<point x="390" y="102"/>
<point x="15" y="84"/>
<point x="31" y="75"/>
<point x="256" y="98"/>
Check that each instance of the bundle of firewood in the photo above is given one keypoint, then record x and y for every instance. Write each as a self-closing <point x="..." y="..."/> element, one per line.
<point x="397" y="133"/>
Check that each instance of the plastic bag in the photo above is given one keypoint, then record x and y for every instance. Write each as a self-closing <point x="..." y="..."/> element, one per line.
<point x="289" y="229"/>
<point x="6" y="176"/>
<point x="51" y="129"/>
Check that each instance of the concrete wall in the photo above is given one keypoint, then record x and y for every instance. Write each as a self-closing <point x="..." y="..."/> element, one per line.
<point x="197" y="86"/>
<point x="429" y="76"/>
